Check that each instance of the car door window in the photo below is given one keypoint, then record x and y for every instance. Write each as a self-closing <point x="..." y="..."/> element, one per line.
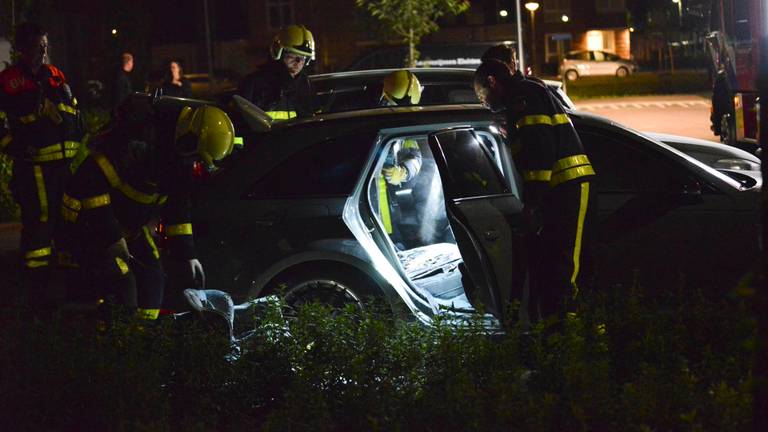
<point x="326" y="168"/>
<point x="474" y="170"/>
<point x="598" y="56"/>
<point x="626" y="166"/>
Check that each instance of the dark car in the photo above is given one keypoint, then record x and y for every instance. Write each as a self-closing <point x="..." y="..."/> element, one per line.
<point x="298" y="210"/>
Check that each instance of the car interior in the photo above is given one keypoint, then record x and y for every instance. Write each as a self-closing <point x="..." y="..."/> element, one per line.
<point x="418" y="227"/>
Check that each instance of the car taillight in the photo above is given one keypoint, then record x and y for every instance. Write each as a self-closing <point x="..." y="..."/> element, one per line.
<point x="199" y="171"/>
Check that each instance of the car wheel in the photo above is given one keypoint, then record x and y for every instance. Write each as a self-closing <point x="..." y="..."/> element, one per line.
<point x="727" y="130"/>
<point x="333" y="287"/>
<point x="571" y="75"/>
<point x="622" y="72"/>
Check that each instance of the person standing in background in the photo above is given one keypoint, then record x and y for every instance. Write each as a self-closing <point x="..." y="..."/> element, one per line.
<point x="122" y="86"/>
<point x="174" y="84"/>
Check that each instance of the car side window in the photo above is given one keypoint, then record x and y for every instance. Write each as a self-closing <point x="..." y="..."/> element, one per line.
<point x="624" y="166"/>
<point x="598" y="56"/>
<point x="326" y="168"/>
<point x="473" y="168"/>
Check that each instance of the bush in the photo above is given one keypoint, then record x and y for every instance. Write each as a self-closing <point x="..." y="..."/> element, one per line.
<point x="9" y="211"/>
<point x="643" y="83"/>
<point x="627" y="363"/>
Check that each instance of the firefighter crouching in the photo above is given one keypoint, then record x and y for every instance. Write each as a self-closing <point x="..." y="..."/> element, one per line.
<point x="41" y="129"/>
<point x="138" y="170"/>
<point x="403" y="161"/>
<point x="557" y="175"/>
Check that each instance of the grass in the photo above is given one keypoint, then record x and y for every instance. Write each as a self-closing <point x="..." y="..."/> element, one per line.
<point x="681" y="362"/>
<point x="644" y="83"/>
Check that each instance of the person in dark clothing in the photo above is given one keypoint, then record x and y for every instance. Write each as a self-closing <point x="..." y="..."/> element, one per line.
<point x="557" y="176"/>
<point x="174" y="84"/>
<point x="139" y="170"/>
<point x="281" y="86"/>
<point x="122" y="86"/>
<point x="41" y="129"/>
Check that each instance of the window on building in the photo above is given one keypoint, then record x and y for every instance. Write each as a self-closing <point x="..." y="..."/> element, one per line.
<point x="741" y="30"/>
<point x="555" y="9"/>
<point x="558" y="45"/>
<point x="279" y="13"/>
<point x="610" y="6"/>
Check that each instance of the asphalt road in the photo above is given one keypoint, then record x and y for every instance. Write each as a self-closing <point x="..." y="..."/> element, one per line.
<point x="686" y="115"/>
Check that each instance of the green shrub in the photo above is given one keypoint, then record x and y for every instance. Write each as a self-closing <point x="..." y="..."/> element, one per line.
<point x="9" y="211"/>
<point x="626" y="363"/>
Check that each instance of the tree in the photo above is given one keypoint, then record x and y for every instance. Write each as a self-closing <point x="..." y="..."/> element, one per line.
<point x="412" y="19"/>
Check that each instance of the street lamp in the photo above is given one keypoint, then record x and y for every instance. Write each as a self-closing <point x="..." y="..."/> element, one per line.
<point x="679" y="11"/>
<point x="532" y="7"/>
<point x="503" y="13"/>
<point x="565" y="18"/>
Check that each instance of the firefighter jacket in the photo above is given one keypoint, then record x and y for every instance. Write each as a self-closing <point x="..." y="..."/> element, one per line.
<point x="39" y="119"/>
<point x="127" y="181"/>
<point x="548" y="152"/>
<point x="281" y="96"/>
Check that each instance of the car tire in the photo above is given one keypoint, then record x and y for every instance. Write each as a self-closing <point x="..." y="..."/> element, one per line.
<point x="571" y="75"/>
<point x="622" y="72"/>
<point x="335" y="287"/>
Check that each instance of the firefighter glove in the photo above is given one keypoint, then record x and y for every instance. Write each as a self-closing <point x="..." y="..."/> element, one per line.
<point x="196" y="269"/>
<point x="395" y="175"/>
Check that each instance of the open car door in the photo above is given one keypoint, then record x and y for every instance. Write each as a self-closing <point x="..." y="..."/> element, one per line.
<point x="485" y="218"/>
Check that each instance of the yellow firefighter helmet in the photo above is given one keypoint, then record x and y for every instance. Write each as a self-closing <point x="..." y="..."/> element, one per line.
<point x="206" y="131"/>
<point x="401" y="87"/>
<point x="295" y="39"/>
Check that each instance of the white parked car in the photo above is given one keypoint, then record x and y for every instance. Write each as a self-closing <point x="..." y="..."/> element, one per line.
<point x="590" y="63"/>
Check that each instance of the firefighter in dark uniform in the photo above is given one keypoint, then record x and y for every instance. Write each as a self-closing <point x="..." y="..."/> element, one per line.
<point x="139" y="169"/>
<point x="557" y="195"/>
<point x="281" y="87"/>
<point x="41" y="129"/>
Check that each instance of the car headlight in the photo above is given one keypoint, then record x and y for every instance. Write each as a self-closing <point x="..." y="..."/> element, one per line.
<point x="736" y="164"/>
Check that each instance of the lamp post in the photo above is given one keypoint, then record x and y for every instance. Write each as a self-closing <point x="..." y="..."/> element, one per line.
<point x="532" y="7"/>
<point x="679" y="11"/>
<point x="520" y="55"/>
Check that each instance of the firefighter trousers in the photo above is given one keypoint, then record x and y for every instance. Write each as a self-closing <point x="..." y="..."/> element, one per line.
<point x="137" y="282"/>
<point x="560" y="259"/>
<point x="37" y="188"/>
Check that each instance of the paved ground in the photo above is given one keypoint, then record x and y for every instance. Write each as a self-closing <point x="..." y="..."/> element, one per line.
<point x="686" y="115"/>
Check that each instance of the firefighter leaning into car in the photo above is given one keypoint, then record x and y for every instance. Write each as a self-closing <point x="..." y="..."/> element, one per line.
<point x="281" y="87"/>
<point x="403" y="161"/>
<point x="557" y="192"/>
<point x="138" y="170"/>
<point x="41" y="129"/>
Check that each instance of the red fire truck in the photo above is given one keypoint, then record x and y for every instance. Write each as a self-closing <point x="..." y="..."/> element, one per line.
<point x="738" y="26"/>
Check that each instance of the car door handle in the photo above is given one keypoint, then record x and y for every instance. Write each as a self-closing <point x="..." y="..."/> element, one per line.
<point x="491" y="235"/>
